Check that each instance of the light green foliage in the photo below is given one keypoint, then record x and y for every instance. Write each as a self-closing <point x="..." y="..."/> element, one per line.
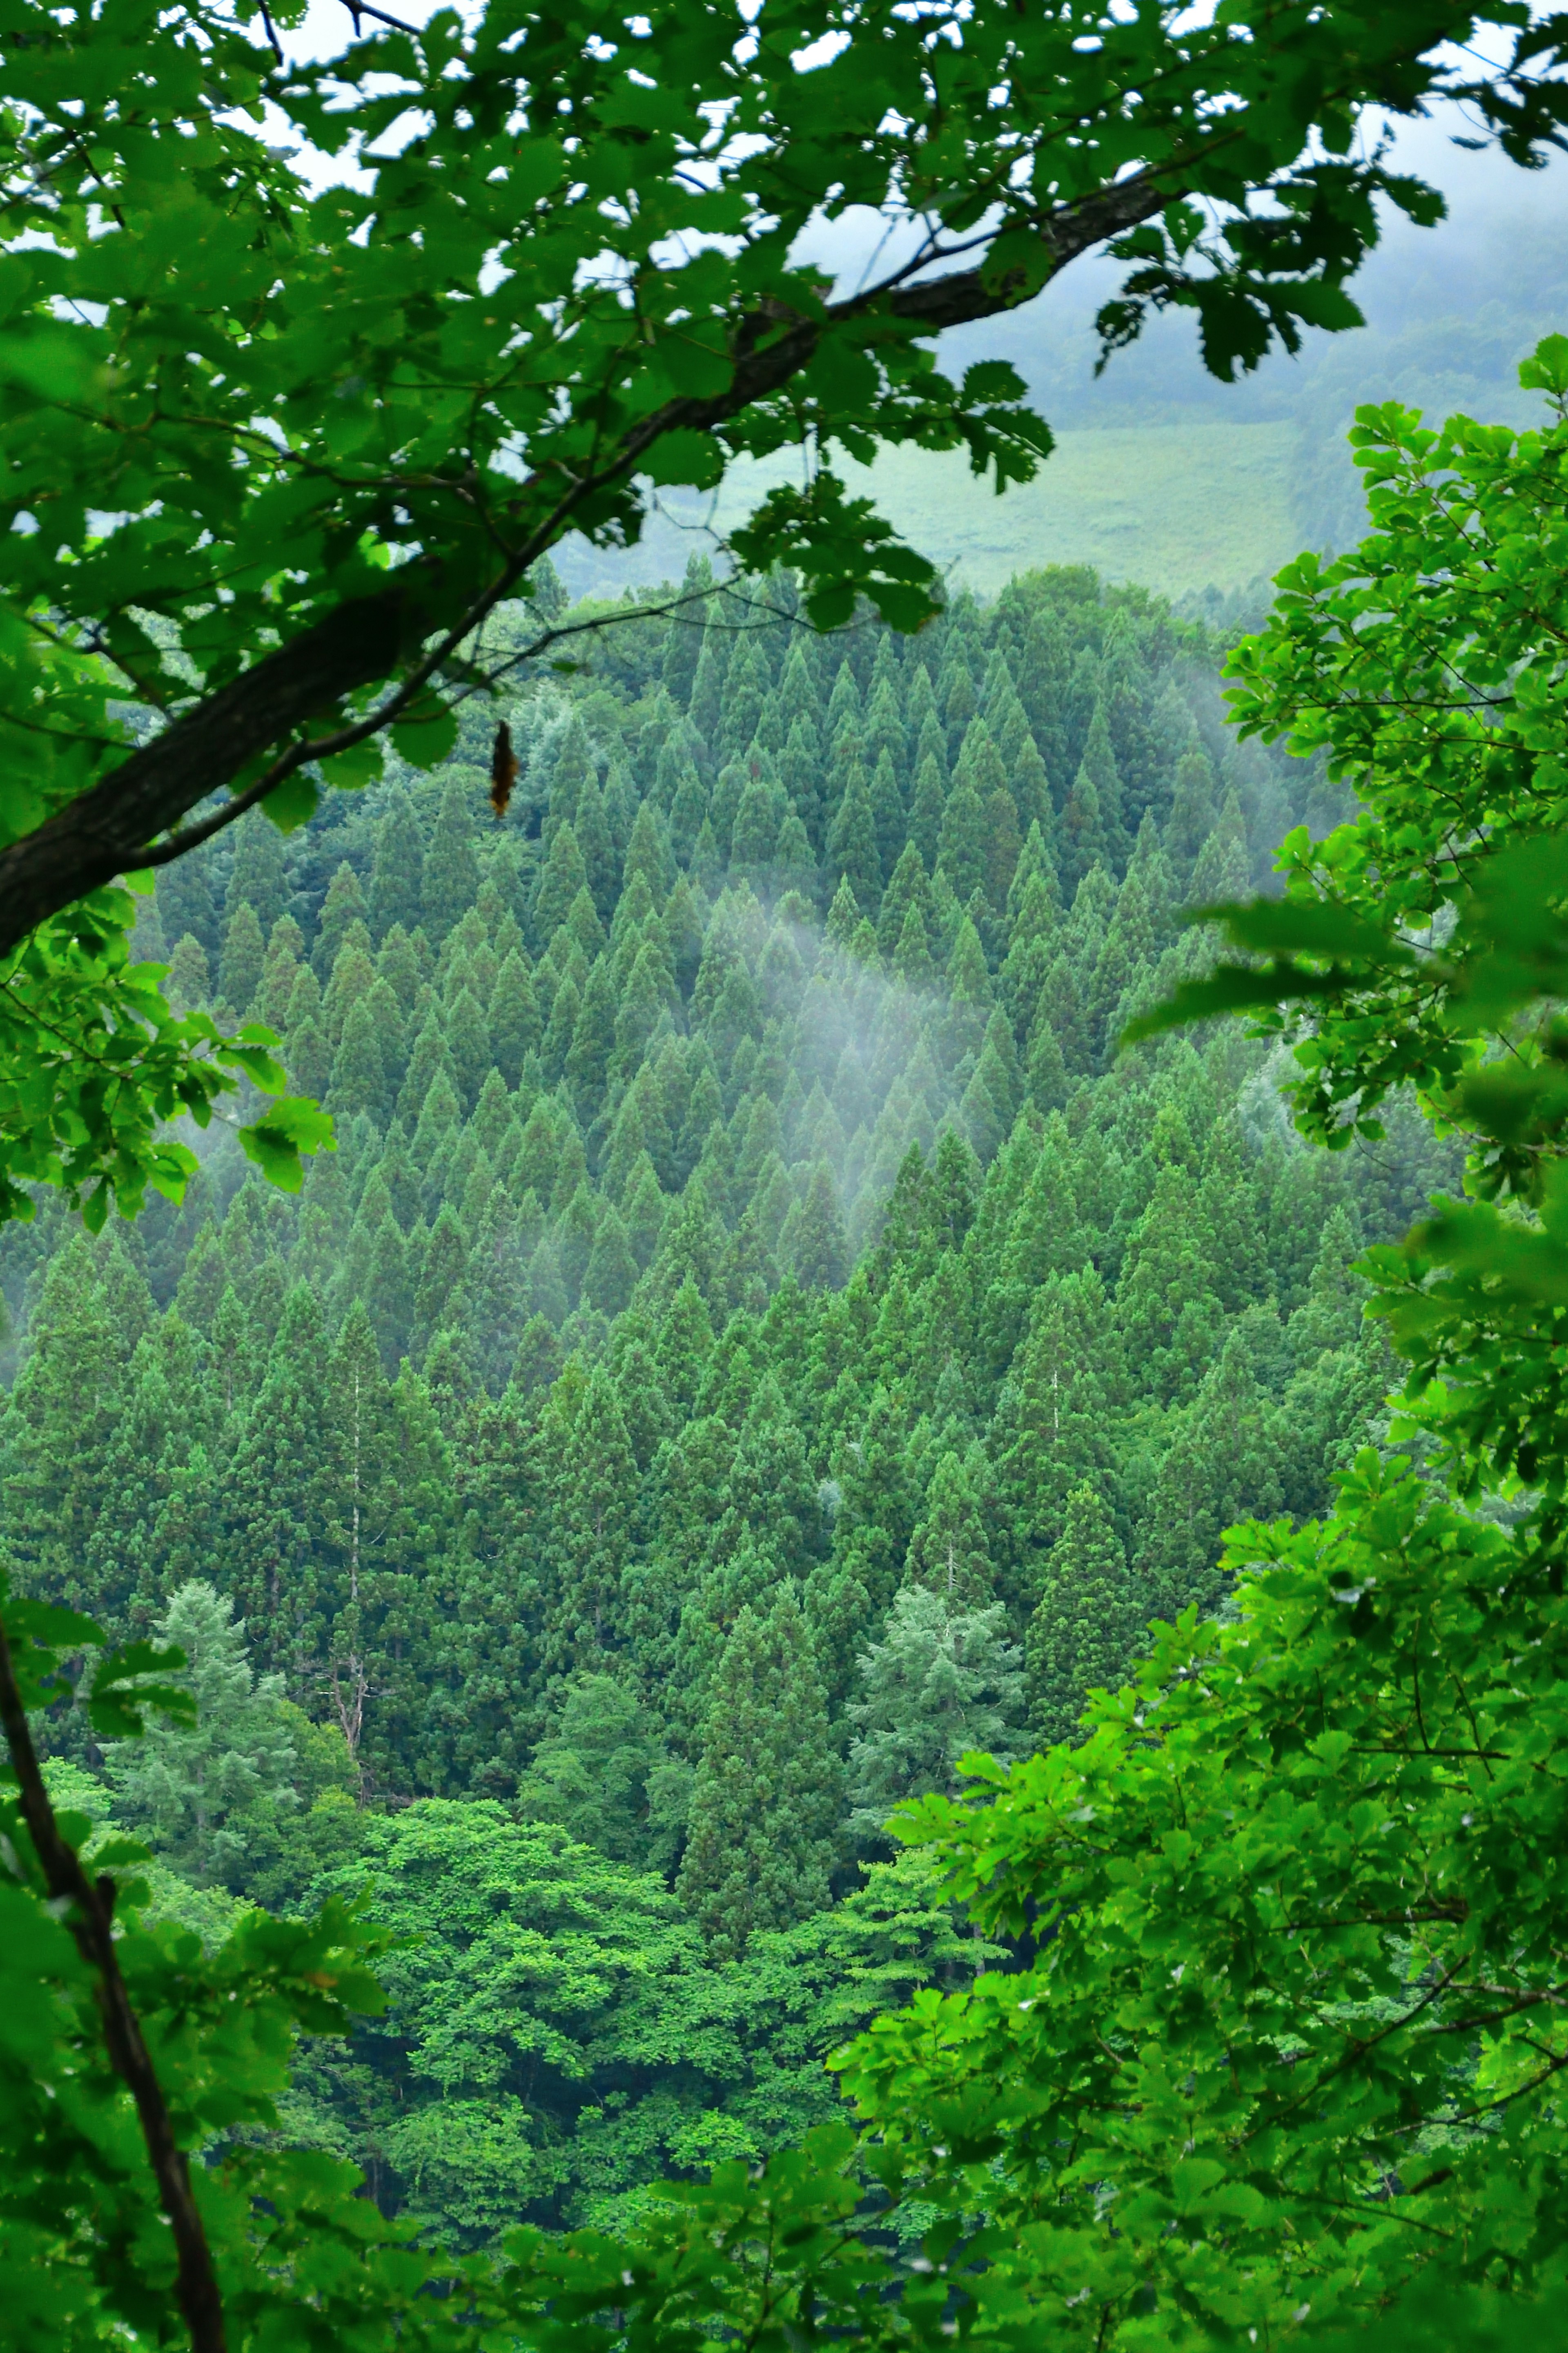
<point x="188" y="1790"/>
<point x="942" y="1684"/>
<point x="93" y="1065"/>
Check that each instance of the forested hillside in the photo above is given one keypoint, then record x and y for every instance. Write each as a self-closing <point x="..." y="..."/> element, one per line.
<point x="755" y="1340"/>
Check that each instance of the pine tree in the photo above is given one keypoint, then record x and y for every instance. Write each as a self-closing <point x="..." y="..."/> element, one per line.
<point x="961" y="846"/>
<point x="244" y="954"/>
<point x="397" y="870"/>
<point x="258" y="877"/>
<point x="948" y="1551"/>
<point x="819" y="1255"/>
<point x="852" y="853"/>
<point x="358" y="1068"/>
<point x="193" y="1788"/>
<point x="927" y="808"/>
<point x="595" y="1491"/>
<point x="449" y="878"/>
<point x="759" y="1832"/>
<point x="1082" y="1632"/>
<point x="345" y="905"/>
<point x="941" y="1682"/>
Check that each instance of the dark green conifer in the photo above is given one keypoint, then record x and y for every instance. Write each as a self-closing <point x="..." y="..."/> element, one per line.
<point x="949" y="1551"/>
<point x="961" y="845"/>
<point x="1082" y="1631"/>
<point x="258" y="877"/>
<point x="760" y="1833"/>
<point x="397" y="869"/>
<point x="244" y="954"/>
<point x="344" y="906"/>
<point x="927" y="808"/>
<point x="449" y="880"/>
<point x="852" y="853"/>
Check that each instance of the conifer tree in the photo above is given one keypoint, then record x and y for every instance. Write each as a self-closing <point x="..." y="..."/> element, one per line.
<point x="612" y="1271"/>
<point x="942" y="1681"/>
<point x="344" y="906"/>
<point x="927" y="807"/>
<point x="359" y="1070"/>
<point x="190" y="1788"/>
<point x="587" y="1060"/>
<point x="243" y="955"/>
<point x="595" y="841"/>
<point x="1082" y="1631"/>
<point x="591" y="1772"/>
<point x="397" y="869"/>
<point x="514" y="1023"/>
<point x="961" y="844"/>
<point x="765" y="1799"/>
<point x="1194" y="808"/>
<point x="1003" y="846"/>
<point x="189" y="983"/>
<point x="258" y="876"/>
<point x="1223" y="871"/>
<point x="818" y="1253"/>
<point x="887" y="811"/>
<point x="59" y="1435"/>
<point x="948" y="1552"/>
<point x="704" y="709"/>
<point x="276" y="1497"/>
<point x="279" y="970"/>
<point x="844" y="914"/>
<point x="912" y="962"/>
<point x="595" y="1491"/>
<point x="650" y="854"/>
<point x="571" y="766"/>
<point x="852" y="853"/>
<point x="450" y="875"/>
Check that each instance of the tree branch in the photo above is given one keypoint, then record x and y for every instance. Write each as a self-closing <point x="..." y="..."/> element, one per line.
<point x="91" y="1926"/>
<point x="114" y="827"/>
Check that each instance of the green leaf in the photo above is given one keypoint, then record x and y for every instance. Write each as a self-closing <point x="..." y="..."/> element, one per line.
<point x="360" y="766"/>
<point x="1546" y="369"/>
<point x="125" y="1684"/>
<point x="291" y="1127"/>
<point x="292" y="803"/>
<point x="685" y="457"/>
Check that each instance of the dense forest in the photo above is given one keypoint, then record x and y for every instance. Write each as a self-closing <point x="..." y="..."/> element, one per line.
<point x="756" y="1334"/>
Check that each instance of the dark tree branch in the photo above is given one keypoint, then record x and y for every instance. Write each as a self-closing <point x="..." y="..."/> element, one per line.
<point x="115" y="827"/>
<point x="91" y="1924"/>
